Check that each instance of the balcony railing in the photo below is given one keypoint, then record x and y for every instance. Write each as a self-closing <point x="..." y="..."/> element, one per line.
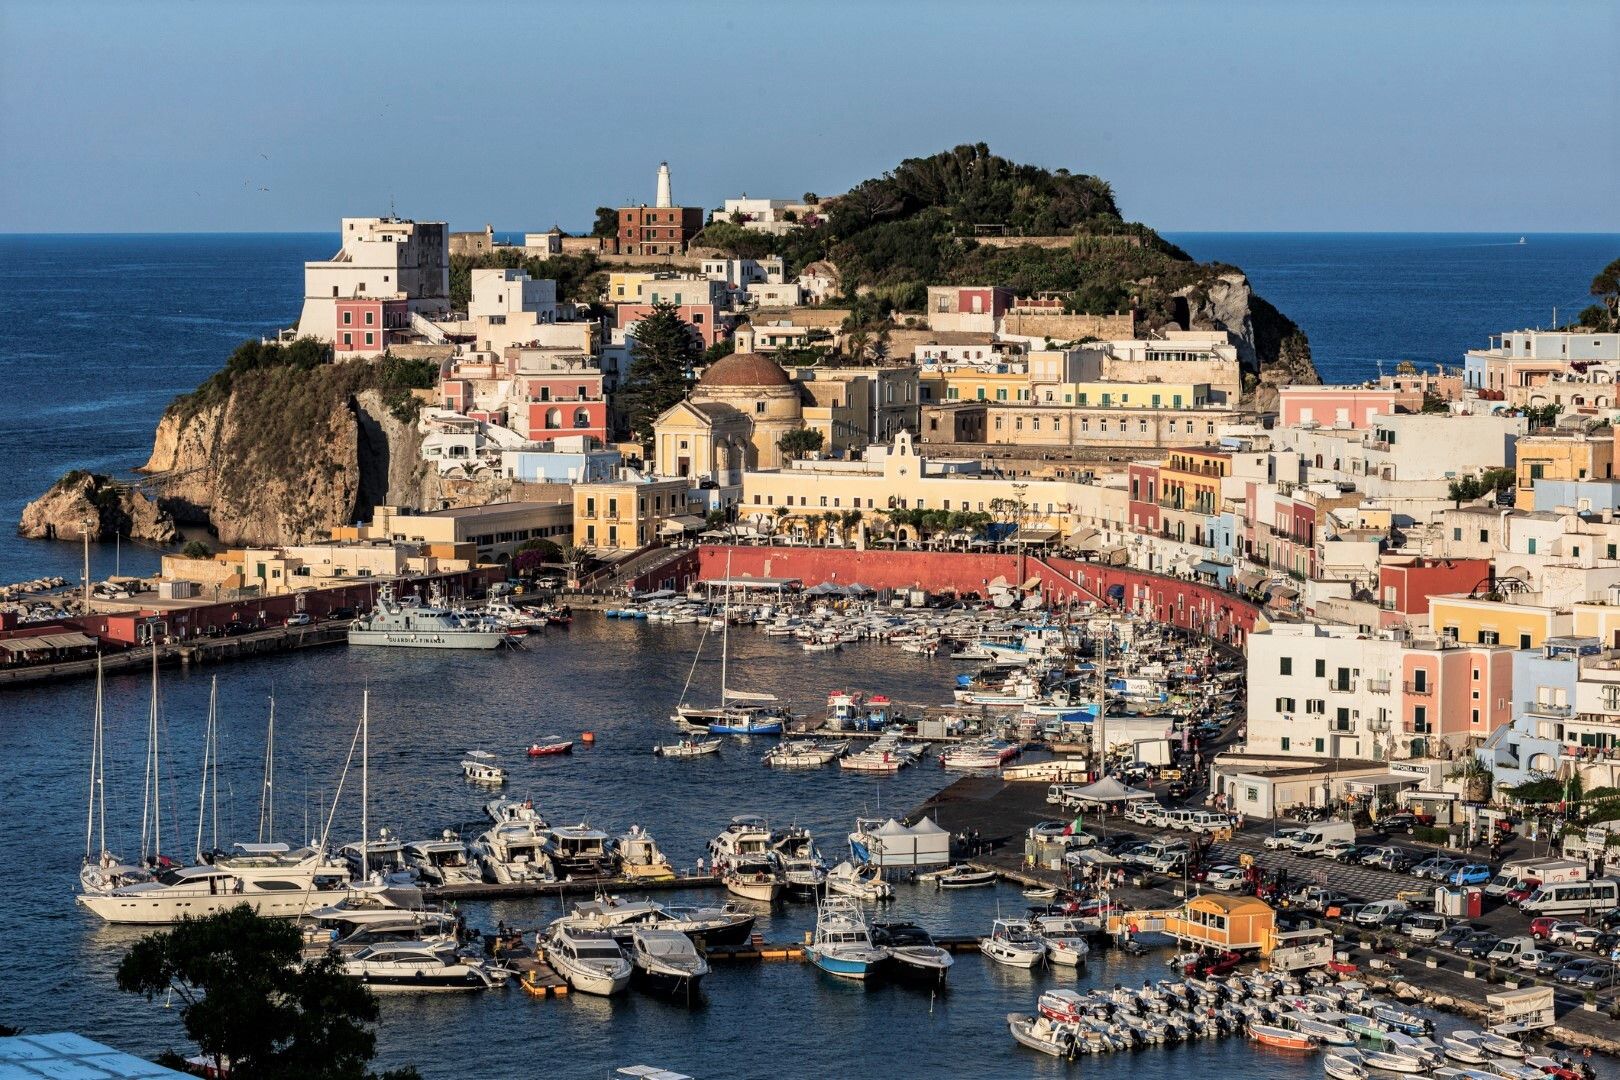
<point x="1419" y="727"/>
<point x="1346" y="686"/>
<point x="1378" y="686"/>
<point x="1541" y="708"/>
<point x="1420" y="689"/>
<point x="1342" y="727"/>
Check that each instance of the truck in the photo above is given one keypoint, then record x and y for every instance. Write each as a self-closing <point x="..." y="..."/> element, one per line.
<point x="1516" y="870"/>
<point x="1316" y="837"/>
<point x="1152" y="751"/>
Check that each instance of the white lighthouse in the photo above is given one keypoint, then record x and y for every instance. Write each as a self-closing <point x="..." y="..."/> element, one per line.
<point x="664" y="196"/>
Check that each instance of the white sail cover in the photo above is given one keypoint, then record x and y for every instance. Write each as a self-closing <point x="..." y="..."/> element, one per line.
<point x="749" y="695"/>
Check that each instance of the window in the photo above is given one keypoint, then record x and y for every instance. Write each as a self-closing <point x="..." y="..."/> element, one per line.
<point x="1285" y="704"/>
<point x="759" y="407"/>
<point x="1285" y="742"/>
<point x="371" y="339"/>
<point x="1456" y="534"/>
<point x="348" y="339"/>
<point x="1530" y="546"/>
<point x="348" y="318"/>
<point x="1524" y="641"/>
<point x="1484" y="536"/>
<point x="1320" y="745"/>
<point x="1286" y="666"/>
<point x="1321" y="669"/>
<point x="1488" y="637"/>
<point x="371" y="318"/>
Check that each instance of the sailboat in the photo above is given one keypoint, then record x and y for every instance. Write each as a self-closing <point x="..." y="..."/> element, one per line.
<point x="102" y="871"/>
<point x="740" y="712"/>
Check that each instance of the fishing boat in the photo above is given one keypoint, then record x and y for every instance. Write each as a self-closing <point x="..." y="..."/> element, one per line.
<point x="639" y="857"/>
<point x="1344" y="1064"/>
<point x="1459" y="1047"/>
<point x="874" y="760"/>
<point x="410" y="623"/>
<point x="1393" y="1062"/>
<point x="590" y="960"/>
<point x="1039" y="1033"/>
<point x="666" y="963"/>
<point x="550" y="747"/>
<point x="1493" y="1043"/>
<point x="1280" y="1037"/>
<point x="1400" y="1020"/>
<point x="842" y="944"/>
<point x="416" y="967"/>
<point x="803" y="754"/>
<point x="479" y="767"/>
<point x="1326" y="1033"/>
<point x="1014" y="944"/>
<point x="688" y="748"/>
<point x="912" y="953"/>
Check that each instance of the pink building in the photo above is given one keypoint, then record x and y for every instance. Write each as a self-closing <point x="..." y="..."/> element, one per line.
<point x="1406" y="582"/>
<point x="1343" y="406"/>
<point x="706" y="320"/>
<point x="365" y="326"/>
<point x="1453" y="694"/>
<point x="562" y="403"/>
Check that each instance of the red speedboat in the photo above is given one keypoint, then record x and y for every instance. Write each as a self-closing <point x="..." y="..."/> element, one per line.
<point x="550" y="747"/>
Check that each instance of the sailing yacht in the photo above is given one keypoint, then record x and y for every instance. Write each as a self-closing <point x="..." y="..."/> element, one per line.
<point x="739" y="712"/>
<point x="271" y="878"/>
<point x="102" y="871"/>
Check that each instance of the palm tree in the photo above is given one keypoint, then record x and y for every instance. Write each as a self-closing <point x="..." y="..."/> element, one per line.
<point x="829" y="522"/>
<point x="781" y="513"/>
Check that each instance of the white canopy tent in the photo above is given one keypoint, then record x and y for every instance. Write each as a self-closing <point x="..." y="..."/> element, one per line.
<point x="1108" y="792"/>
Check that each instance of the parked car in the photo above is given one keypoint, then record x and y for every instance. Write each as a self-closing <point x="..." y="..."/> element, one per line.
<point x="1348" y="912"/>
<point x="1587" y="937"/>
<point x="1455" y="934"/>
<point x="1563" y="931"/>
<point x="299" y="619"/>
<point x="1317" y="898"/>
<point x="1388" y="858"/>
<point x="1383" y="912"/>
<point x="1424" y="926"/>
<point x="1478" y="944"/>
<point x="1176" y="790"/>
<point x="1404" y="821"/>
<point x="1521" y="892"/>
<point x="1541" y="927"/>
<point x="1339" y="850"/>
<point x="1470" y="874"/>
<point x="1571" y="972"/>
<point x="1226" y="878"/>
<point x="1551" y="963"/>
<point x="1282" y="839"/>
<point x="1598" y="976"/>
<point x="1528" y="959"/>
<point x="1435" y="867"/>
<point x="1509" y="949"/>
<point x="1356" y="855"/>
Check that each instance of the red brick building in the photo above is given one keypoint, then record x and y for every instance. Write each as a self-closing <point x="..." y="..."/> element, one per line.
<point x="564" y="403"/>
<point x="1405" y="584"/>
<point x="658" y="230"/>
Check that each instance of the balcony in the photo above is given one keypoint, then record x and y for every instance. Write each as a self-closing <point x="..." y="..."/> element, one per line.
<point x="1378" y="686"/>
<point x="1377" y="725"/>
<point x="1342" y="727"/>
<point x="1423" y="689"/>
<point x="1541" y="708"/>
<point x="1419" y="727"/>
<point x="1347" y="686"/>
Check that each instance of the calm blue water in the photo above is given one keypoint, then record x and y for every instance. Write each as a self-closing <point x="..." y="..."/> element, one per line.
<point x="99" y="333"/>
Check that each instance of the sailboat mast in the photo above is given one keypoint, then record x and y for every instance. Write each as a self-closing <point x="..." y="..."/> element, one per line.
<point x="208" y="751"/>
<point x="365" y="784"/>
<point x="267" y="794"/>
<point x="151" y="792"/>
<point x="725" y="630"/>
<point x="95" y="777"/>
<point x="1100" y="728"/>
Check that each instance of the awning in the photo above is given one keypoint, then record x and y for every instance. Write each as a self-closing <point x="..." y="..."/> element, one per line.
<point x="44" y="642"/>
<point x="1205" y="566"/>
<point x="1284" y="592"/>
<point x="1367" y="785"/>
<point x="1251" y="579"/>
<point x="1113" y="556"/>
<point x="777" y="584"/>
<point x="1031" y="585"/>
<point x="1034" y="536"/>
<point x="681" y="523"/>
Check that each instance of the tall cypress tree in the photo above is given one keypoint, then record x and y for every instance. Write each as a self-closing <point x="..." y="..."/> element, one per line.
<point x="663" y="352"/>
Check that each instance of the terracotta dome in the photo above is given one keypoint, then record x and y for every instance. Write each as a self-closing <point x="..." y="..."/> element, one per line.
<point x="745" y="369"/>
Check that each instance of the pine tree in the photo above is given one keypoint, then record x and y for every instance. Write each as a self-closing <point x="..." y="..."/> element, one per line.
<point x="663" y="353"/>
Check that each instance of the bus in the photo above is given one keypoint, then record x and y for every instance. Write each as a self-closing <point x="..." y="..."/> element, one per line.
<point x="1573" y="897"/>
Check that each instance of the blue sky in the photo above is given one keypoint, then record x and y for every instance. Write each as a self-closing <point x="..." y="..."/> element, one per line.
<point x="1465" y="115"/>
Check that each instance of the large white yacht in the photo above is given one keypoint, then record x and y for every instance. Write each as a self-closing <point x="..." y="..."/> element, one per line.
<point x="272" y="879"/>
<point x="417" y="966"/>
<point x="514" y="851"/>
<point x="444" y="861"/>
<point x="410" y="623"/>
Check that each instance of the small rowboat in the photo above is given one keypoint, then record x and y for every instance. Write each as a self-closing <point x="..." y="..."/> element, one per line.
<point x="548" y="747"/>
<point x="1281" y="1038"/>
<point x="688" y="748"/>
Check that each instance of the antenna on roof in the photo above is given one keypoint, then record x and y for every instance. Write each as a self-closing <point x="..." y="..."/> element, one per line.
<point x="391" y="212"/>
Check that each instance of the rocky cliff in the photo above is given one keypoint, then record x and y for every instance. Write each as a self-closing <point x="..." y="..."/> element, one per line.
<point x="1271" y="348"/>
<point x="262" y="467"/>
<point x="82" y="501"/>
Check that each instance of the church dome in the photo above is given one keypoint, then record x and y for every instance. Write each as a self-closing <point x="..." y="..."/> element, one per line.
<point x="744" y="369"/>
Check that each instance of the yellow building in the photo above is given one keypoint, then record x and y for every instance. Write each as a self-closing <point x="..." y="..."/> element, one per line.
<point x="967" y="384"/>
<point x="622" y="515"/>
<point x="703" y="440"/>
<point x="624" y="286"/>
<point x="1126" y="395"/>
<point x="1190" y="479"/>
<point x="1223" y="921"/>
<point x="758" y="388"/>
<point x="1517" y="620"/>
<point x="1598" y="620"/>
<point x="494" y="531"/>
<point x="897" y="477"/>
<point x="1564" y="456"/>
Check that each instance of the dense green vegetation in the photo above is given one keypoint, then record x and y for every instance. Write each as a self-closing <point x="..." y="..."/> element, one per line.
<point x="664" y="352"/>
<point x="894" y="235"/>
<point x="1604" y="316"/>
<point x="250" y="1003"/>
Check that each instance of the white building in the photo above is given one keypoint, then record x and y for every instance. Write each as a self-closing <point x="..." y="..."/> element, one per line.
<point x="1320" y="691"/>
<point x="741" y="273"/>
<point x="383" y="259"/>
<point x="511" y="292"/>
<point x="774" y="216"/>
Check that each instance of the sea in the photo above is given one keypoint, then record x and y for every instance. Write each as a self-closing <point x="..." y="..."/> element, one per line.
<point x="99" y="333"/>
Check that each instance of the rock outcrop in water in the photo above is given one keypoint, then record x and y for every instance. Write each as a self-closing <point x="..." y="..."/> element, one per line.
<point x="83" y="501"/>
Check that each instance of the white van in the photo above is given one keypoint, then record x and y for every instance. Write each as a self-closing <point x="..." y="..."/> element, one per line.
<point x="1573" y="897"/>
<point x="1143" y="812"/>
<point x="1179" y="819"/>
<point x="1208" y="821"/>
<point x="1316" y="837"/>
<point x="1516" y="870"/>
<point x="1380" y="912"/>
<point x="1508" y="950"/>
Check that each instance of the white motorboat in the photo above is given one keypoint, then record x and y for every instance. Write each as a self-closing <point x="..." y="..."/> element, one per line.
<point x="514" y="851"/>
<point x="270" y="878"/>
<point x="1344" y="1065"/>
<point x="874" y="760"/>
<point x="1328" y="1034"/>
<point x="445" y="861"/>
<point x="417" y="966"/>
<point x="1013" y="943"/>
<point x="804" y="754"/>
<point x="590" y="960"/>
<point x="842" y="944"/>
<point x="480" y="768"/>
<point x="866" y="884"/>
<point x="1492" y="1043"/>
<point x="1392" y="1062"/>
<point x="912" y="952"/>
<point x="384" y="855"/>
<point x="666" y="963"/>
<point x="1458" y="1047"/>
<point x="753" y="879"/>
<point x="804" y="872"/>
<point x="710" y="927"/>
<point x="1064" y="939"/>
<point x="1039" y="1033"/>
<point x="962" y="876"/>
<point x="640" y="857"/>
<point x="1063" y="1005"/>
<point x="410" y="623"/>
<point x="505" y="809"/>
<point x="746" y="836"/>
<point x="688" y="748"/>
